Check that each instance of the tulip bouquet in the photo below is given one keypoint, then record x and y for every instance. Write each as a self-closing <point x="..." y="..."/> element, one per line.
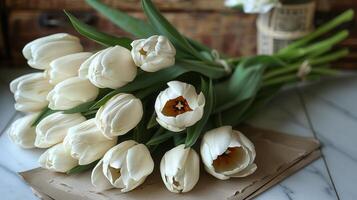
<point x="113" y="110"/>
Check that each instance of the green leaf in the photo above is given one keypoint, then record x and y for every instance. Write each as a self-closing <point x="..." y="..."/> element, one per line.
<point x="98" y="36"/>
<point x="128" y="23"/>
<point x="164" y="27"/>
<point x="152" y="121"/>
<point x="82" y="168"/>
<point x="237" y="114"/>
<point x="133" y="25"/>
<point x="144" y="80"/>
<point x="243" y="84"/>
<point x="195" y="131"/>
<point x="44" y="113"/>
<point x="211" y="71"/>
<point x="163" y="136"/>
<point x="80" y="108"/>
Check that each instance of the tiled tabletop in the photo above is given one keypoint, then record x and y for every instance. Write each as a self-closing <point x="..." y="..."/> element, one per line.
<point x="326" y="110"/>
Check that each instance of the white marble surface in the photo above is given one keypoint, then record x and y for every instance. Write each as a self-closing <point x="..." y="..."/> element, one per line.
<point x="325" y="110"/>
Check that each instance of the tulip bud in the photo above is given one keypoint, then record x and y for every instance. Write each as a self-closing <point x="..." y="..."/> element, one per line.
<point x="30" y="92"/>
<point x="179" y="106"/>
<point x="21" y="131"/>
<point x="180" y="169"/>
<point x="110" y="68"/>
<point x="66" y="67"/>
<point x="154" y="53"/>
<point x="71" y="93"/>
<point x="40" y="52"/>
<point x="53" y="128"/>
<point x="119" y="115"/>
<point x="124" y="166"/>
<point x="87" y="143"/>
<point x="57" y="159"/>
<point x="227" y="153"/>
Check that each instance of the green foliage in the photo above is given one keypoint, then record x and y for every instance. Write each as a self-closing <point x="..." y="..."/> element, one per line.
<point x="244" y="82"/>
<point x="98" y="36"/>
<point x="44" y="113"/>
<point x="82" y="168"/>
<point x="195" y="131"/>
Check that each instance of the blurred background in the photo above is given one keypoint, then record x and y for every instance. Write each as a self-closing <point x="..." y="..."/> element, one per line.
<point x="226" y="30"/>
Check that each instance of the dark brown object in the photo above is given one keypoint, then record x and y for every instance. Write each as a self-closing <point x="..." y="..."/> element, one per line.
<point x="208" y="21"/>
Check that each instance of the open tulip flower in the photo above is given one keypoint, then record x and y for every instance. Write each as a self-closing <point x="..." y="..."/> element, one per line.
<point x="124" y="166"/>
<point x="227" y="153"/>
<point x="112" y="109"/>
<point x="179" y="106"/>
<point x="154" y="53"/>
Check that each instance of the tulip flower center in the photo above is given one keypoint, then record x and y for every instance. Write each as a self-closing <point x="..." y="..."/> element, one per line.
<point x="115" y="173"/>
<point x="142" y="52"/>
<point x="229" y="160"/>
<point x="177" y="106"/>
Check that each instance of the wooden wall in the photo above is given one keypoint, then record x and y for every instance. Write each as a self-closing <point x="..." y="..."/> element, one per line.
<point x="206" y="20"/>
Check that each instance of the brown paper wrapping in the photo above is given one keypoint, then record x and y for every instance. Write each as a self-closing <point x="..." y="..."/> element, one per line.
<point x="278" y="156"/>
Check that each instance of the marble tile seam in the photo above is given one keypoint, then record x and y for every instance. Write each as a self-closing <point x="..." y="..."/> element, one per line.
<point x="303" y="103"/>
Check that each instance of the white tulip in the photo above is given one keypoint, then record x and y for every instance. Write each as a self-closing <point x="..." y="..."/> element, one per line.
<point x="87" y="143"/>
<point x="71" y="93"/>
<point x="21" y="131"/>
<point x="53" y="128"/>
<point x="179" y="106"/>
<point x="227" y="153"/>
<point x="66" y="67"/>
<point x="110" y="68"/>
<point x="119" y="115"/>
<point x="57" y="159"/>
<point x="30" y="92"/>
<point x="40" y="52"/>
<point x="180" y="169"/>
<point x="154" y="53"/>
<point x="254" y="6"/>
<point x="124" y="166"/>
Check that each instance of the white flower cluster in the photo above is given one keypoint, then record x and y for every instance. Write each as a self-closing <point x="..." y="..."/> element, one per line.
<point x="71" y="77"/>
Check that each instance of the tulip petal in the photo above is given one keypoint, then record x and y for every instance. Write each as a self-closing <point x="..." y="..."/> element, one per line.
<point x="98" y="179"/>
<point x="139" y="162"/>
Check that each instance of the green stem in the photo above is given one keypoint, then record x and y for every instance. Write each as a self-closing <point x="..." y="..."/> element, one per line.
<point x="281" y="70"/>
<point x="325" y="71"/>
<point x="280" y="80"/>
<point x="330" y="57"/>
<point x="316" y="61"/>
<point x="344" y="17"/>
<point x="316" y="47"/>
